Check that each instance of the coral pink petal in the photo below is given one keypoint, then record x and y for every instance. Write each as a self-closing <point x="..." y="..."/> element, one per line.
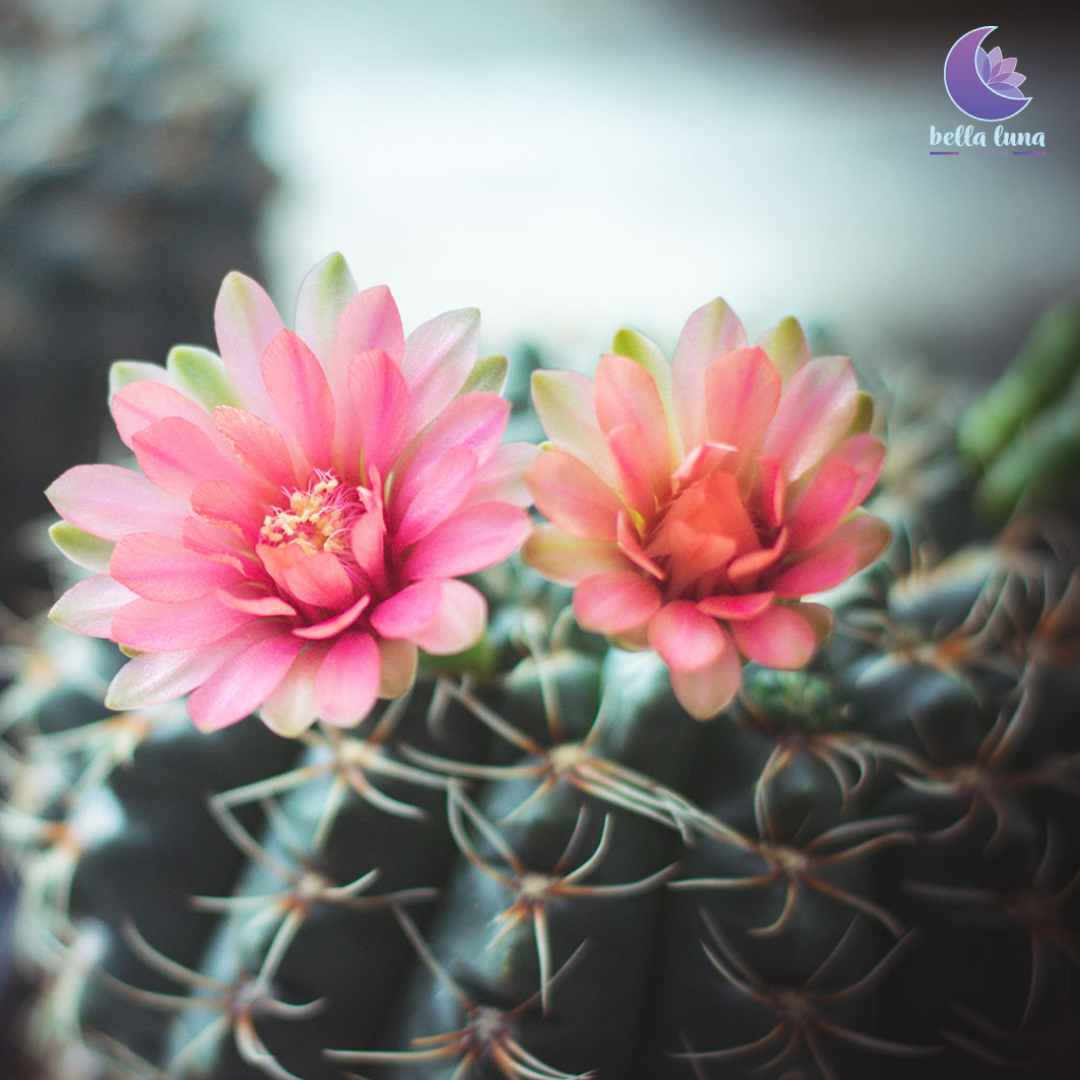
<point x="331" y="627"/>
<point x="318" y="579"/>
<point x="253" y="598"/>
<point x="625" y="393"/>
<point x="347" y="683"/>
<point x="368" y="546"/>
<point x="632" y="549"/>
<point x="769" y="496"/>
<point x="735" y="605"/>
<point x="375" y="424"/>
<point x="501" y="479"/>
<point x="224" y="545"/>
<point x="458" y="622"/>
<point x="110" y="501"/>
<point x="865" y="454"/>
<point x="742" y="390"/>
<point x="160" y="568"/>
<point x="855" y="544"/>
<point x="780" y="637"/>
<point x="744" y="571"/>
<point x="471" y="540"/>
<point x="437" y="359"/>
<point x="219" y="503"/>
<point x="572" y="496"/>
<point x="567" y="559"/>
<point x="443" y="488"/>
<point x="822" y="504"/>
<point x="638" y="488"/>
<point x="616" y="602"/>
<point x="370" y="321"/>
<point x="686" y="639"/>
<point x="243" y="683"/>
<point x="816" y="410"/>
<point x="259" y="447"/>
<point x="711" y="332"/>
<point x="90" y="605"/>
<point x="139" y="404"/>
<point x="709" y="691"/>
<point x="564" y="404"/>
<point x="177" y="456"/>
<point x="407" y="611"/>
<point x="150" y="626"/>
<point x="297" y="385"/>
<point x="246" y="322"/>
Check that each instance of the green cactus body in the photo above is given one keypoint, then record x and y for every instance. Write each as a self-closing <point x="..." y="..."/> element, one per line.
<point x="546" y="869"/>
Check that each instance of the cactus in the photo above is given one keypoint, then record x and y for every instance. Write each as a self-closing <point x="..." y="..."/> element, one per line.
<point x="536" y="865"/>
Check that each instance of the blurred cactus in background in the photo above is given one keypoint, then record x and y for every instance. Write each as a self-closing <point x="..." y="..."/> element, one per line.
<point x="128" y="187"/>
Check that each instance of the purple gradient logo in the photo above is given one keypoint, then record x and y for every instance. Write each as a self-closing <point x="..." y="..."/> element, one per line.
<point x="981" y="83"/>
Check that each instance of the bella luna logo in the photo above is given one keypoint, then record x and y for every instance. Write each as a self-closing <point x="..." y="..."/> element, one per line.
<point x="985" y="86"/>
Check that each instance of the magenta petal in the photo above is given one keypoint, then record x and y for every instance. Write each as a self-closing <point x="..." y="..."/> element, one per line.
<point x="686" y="639"/>
<point x="471" y="540"/>
<point x="242" y="684"/>
<point x="258" y="446"/>
<point x="408" y="611"/>
<point x="616" y="602"/>
<point x="298" y="387"/>
<point x="246" y="322"/>
<point x="780" y="637"/>
<point x="161" y="568"/>
<point x="445" y="485"/>
<point x="736" y="606"/>
<point x="458" y="621"/>
<point x="90" y="605"/>
<point x="150" y="626"/>
<point x="347" y="685"/>
<point x="329" y="628"/>
<point x="570" y="495"/>
<point x="110" y="501"/>
<point x="706" y="692"/>
<point x="252" y="597"/>
<point x="379" y="400"/>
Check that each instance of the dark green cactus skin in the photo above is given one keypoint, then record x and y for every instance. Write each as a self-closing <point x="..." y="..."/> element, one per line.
<point x="546" y="869"/>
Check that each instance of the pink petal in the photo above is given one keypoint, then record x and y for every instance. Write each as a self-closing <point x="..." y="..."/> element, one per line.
<point x="567" y="559"/>
<point x="370" y="321"/>
<point x="110" y="501"/>
<point x="438" y="357"/>
<point x="686" y="639"/>
<point x="331" y="627"/>
<point x="865" y="454"/>
<point x="150" y="626"/>
<point x="816" y="410"/>
<point x="161" y="568"/>
<point x="439" y="491"/>
<point x="290" y="709"/>
<point x="625" y="393"/>
<point x="471" y="540"/>
<point x="564" y="403"/>
<point x="408" y="611"/>
<point x="219" y="503"/>
<point x="615" y="602"/>
<point x="780" y="637"/>
<point x="90" y="605"/>
<point x="473" y="420"/>
<point x="630" y="544"/>
<point x="322" y="298"/>
<point x="501" y="479"/>
<point x="246" y="322"/>
<point x="707" y="692"/>
<point x="375" y="426"/>
<point x="252" y="597"/>
<point x="744" y="571"/>
<point x="258" y="446"/>
<point x="821" y="505"/>
<point x="140" y="404"/>
<point x="243" y="683"/>
<point x="177" y="456"/>
<point x="458" y="622"/>
<point x="318" y="579"/>
<point x="298" y="388"/>
<point x="712" y="331"/>
<point x="572" y="496"/>
<point x="742" y="390"/>
<point x="854" y="545"/>
<point x="347" y="684"/>
<point x="637" y="486"/>
<point x="736" y="606"/>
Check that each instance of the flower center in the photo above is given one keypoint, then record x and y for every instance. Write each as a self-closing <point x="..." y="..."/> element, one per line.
<point x="317" y="519"/>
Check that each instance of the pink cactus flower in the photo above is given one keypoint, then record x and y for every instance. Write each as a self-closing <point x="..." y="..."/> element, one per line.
<point x="693" y="504"/>
<point x="304" y="506"/>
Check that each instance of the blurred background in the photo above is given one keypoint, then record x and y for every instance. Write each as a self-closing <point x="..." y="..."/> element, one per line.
<point x="567" y="167"/>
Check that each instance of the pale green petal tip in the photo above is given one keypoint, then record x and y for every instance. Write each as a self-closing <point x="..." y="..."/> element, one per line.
<point x="82" y="548"/>
<point x="123" y="372"/>
<point x="786" y="346"/>
<point x="201" y="373"/>
<point x="487" y="376"/>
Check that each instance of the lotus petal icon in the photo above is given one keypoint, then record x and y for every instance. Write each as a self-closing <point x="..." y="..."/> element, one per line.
<point x="980" y="83"/>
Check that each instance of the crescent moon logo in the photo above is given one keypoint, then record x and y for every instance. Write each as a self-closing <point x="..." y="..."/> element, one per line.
<point x="983" y="84"/>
